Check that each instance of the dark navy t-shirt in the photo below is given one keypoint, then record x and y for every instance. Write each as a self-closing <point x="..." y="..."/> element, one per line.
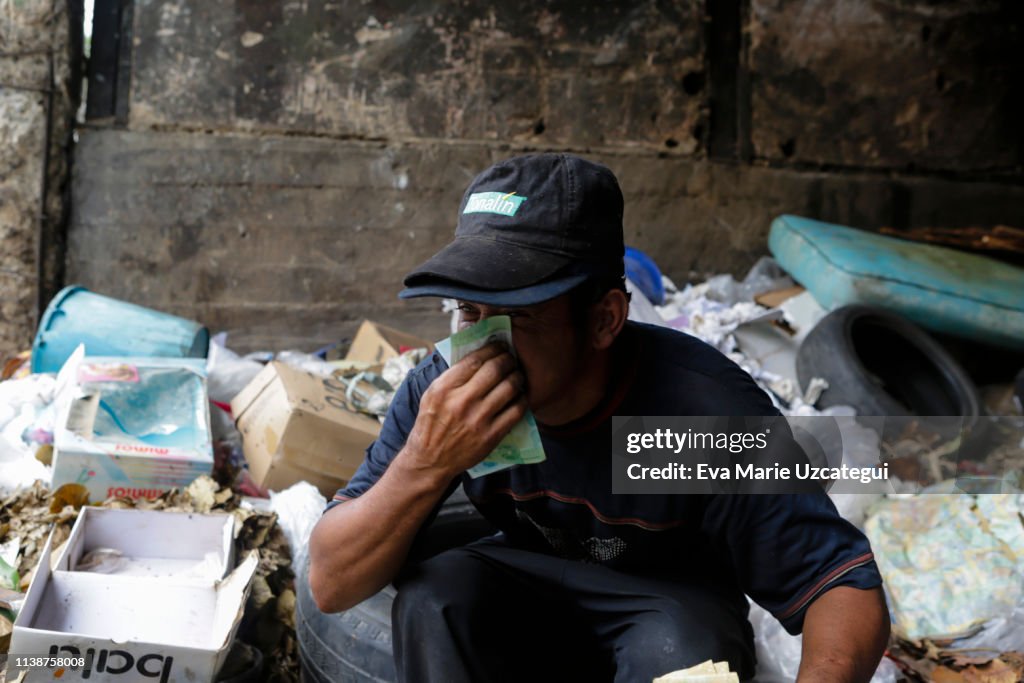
<point x="781" y="550"/>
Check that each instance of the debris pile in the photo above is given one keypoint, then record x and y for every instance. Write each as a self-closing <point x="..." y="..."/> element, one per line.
<point x="267" y="631"/>
<point x="929" y="660"/>
<point x="953" y="565"/>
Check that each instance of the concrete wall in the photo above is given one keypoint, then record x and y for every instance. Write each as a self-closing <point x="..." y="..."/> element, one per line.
<point x="37" y="101"/>
<point x="273" y="168"/>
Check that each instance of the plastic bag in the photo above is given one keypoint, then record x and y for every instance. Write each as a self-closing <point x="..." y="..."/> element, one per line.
<point x="226" y="372"/>
<point x="640" y="308"/>
<point x="765" y="276"/>
<point x="162" y="406"/>
<point x="26" y="423"/>
<point x="950" y="562"/>
<point x="395" y="369"/>
<point x="1002" y="634"/>
<point x="306" y="362"/>
<point x="298" y="509"/>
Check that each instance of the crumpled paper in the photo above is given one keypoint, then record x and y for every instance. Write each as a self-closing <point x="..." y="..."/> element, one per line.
<point x="950" y="562"/>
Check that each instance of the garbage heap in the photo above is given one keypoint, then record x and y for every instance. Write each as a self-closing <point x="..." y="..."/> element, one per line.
<point x="830" y="330"/>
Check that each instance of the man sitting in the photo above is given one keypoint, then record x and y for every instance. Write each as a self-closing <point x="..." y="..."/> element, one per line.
<point x="579" y="582"/>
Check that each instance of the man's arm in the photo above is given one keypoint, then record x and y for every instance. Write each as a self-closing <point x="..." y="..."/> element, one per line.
<point x="846" y="631"/>
<point x="357" y="547"/>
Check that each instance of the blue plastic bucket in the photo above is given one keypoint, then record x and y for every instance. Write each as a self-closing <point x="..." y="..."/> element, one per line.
<point x="644" y="273"/>
<point x="109" y="327"/>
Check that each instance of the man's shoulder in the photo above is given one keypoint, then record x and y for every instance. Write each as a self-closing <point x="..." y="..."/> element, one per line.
<point x="679" y="370"/>
<point x="676" y="350"/>
<point x="428" y="369"/>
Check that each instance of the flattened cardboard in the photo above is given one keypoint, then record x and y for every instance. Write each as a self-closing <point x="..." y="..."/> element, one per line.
<point x="777" y="296"/>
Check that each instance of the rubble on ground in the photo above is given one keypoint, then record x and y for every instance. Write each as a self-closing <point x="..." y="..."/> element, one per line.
<point x="28" y="516"/>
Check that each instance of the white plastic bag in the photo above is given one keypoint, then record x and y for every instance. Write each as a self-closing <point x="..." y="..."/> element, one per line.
<point x="298" y="509"/>
<point x="226" y="372"/>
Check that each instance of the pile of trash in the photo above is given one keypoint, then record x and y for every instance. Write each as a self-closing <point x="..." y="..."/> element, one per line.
<point x="86" y="420"/>
<point x="267" y="631"/>
<point x="26" y="431"/>
<point x="758" y="323"/>
<point x="83" y="431"/>
<point x="953" y="565"/>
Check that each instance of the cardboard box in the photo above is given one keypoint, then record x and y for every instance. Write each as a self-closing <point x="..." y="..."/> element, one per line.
<point x="375" y="343"/>
<point x="295" y="427"/>
<point x="153" y="617"/>
<point x="131" y="427"/>
<point x="145" y="545"/>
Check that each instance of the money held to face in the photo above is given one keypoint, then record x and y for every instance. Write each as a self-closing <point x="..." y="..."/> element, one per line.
<point x="522" y="445"/>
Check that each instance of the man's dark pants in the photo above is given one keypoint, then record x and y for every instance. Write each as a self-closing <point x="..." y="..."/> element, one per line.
<point x="490" y="612"/>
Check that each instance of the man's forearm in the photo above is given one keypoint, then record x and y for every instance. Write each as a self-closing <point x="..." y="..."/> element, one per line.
<point x="846" y="631"/>
<point x="357" y="547"/>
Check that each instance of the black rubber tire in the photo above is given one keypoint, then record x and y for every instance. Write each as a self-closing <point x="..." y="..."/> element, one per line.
<point x="252" y="673"/>
<point x="355" y="646"/>
<point x="881" y="364"/>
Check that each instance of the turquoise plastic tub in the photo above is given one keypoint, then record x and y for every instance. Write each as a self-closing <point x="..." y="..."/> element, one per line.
<point x="109" y="327"/>
<point x="945" y="290"/>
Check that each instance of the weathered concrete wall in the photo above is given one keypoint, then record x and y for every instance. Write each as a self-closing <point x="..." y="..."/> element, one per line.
<point x="558" y="73"/>
<point x="22" y="150"/>
<point x="278" y="166"/>
<point x="36" y="106"/>
<point x="292" y="241"/>
<point x="898" y="84"/>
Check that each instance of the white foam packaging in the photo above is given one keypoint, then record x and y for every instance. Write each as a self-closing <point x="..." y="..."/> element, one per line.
<point x="140" y="594"/>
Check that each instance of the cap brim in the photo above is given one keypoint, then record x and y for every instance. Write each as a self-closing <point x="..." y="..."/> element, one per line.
<point x="487" y="264"/>
<point x="523" y="296"/>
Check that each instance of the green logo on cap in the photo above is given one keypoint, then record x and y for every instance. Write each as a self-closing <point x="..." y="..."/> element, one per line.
<point x="494" y="202"/>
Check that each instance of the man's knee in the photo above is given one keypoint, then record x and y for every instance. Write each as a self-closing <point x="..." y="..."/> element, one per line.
<point x="442" y="584"/>
<point x="673" y="638"/>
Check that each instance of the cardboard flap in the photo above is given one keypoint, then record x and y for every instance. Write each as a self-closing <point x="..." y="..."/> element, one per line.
<point x="247" y="396"/>
<point x="65" y="392"/>
<point x="37" y="587"/>
<point x="72" y="547"/>
<point x="153" y="534"/>
<point x="230" y="530"/>
<point x="375" y="343"/>
<point x="232" y="592"/>
<point x="303" y="388"/>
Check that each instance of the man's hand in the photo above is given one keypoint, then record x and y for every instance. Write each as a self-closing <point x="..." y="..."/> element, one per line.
<point x="357" y="548"/>
<point x="846" y="631"/>
<point x="466" y="412"/>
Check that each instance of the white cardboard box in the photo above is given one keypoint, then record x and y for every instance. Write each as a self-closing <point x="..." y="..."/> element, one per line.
<point x="154" y="543"/>
<point x="153" y="617"/>
<point x="127" y="464"/>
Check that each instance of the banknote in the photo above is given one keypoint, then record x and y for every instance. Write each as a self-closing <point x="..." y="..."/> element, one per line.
<point x="522" y="445"/>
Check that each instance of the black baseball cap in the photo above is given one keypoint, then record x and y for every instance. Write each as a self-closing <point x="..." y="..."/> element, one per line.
<point x="530" y="228"/>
